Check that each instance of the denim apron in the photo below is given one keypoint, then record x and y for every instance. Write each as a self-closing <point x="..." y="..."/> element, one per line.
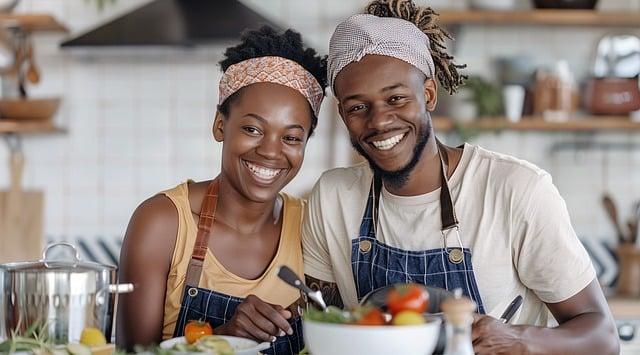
<point x="376" y="265"/>
<point x="215" y="307"/>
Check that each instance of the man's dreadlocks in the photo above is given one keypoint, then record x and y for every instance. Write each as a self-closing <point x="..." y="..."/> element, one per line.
<point x="426" y="19"/>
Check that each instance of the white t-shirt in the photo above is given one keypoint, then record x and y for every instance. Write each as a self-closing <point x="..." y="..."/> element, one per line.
<point x="511" y="216"/>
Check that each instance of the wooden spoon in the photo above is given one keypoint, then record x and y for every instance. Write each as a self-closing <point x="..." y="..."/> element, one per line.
<point x="33" y="74"/>
<point x="612" y="212"/>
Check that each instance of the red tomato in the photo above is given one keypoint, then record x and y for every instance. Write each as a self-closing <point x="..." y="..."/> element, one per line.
<point x="196" y="329"/>
<point x="407" y="297"/>
<point x="371" y="317"/>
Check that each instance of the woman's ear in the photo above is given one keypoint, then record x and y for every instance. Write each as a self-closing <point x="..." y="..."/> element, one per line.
<point x="218" y="127"/>
<point x="431" y="94"/>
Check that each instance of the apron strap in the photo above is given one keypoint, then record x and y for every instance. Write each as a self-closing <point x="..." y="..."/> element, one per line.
<point x="447" y="211"/>
<point x="205" y="223"/>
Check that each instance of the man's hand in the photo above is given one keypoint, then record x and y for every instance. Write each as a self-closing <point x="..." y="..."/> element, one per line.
<point x="257" y="319"/>
<point x="490" y="336"/>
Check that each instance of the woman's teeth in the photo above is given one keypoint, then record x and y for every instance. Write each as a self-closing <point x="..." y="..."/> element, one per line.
<point x="389" y="142"/>
<point x="262" y="172"/>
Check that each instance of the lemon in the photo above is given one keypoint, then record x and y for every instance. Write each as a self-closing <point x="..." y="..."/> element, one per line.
<point x="408" y="318"/>
<point x="92" y="337"/>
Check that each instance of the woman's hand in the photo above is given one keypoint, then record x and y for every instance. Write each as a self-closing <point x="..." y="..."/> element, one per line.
<point x="257" y="319"/>
<point x="490" y="336"/>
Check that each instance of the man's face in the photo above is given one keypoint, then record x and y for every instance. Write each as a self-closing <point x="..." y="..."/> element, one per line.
<point x="384" y="103"/>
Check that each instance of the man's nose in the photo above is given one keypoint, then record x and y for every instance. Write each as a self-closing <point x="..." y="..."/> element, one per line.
<point x="380" y="117"/>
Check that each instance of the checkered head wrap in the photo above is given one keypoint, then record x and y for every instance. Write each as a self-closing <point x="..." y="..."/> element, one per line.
<point x="362" y="34"/>
<point x="271" y="69"/>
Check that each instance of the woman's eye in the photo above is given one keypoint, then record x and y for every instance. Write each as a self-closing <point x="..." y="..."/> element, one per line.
<point x="251" y="130"/>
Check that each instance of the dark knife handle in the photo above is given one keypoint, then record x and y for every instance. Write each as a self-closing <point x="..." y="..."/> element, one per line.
<point x="290" y="277"/>
<point x="512" y="309"/>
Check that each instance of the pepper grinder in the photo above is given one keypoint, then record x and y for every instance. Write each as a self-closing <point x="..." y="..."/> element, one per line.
<point x="458" y="314"/>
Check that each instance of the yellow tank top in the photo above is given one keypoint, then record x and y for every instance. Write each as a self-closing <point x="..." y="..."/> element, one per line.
<point x="215" y="276"/>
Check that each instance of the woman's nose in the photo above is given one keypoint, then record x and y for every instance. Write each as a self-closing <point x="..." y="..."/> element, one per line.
<point x="270" y="147"/>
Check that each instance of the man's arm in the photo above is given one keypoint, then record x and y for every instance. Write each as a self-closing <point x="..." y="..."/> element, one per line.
<point x="586" y="327"/>
<point x="329" y="291"/>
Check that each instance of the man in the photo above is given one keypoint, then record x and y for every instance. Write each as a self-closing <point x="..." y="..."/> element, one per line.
<point x="419" y="211"/>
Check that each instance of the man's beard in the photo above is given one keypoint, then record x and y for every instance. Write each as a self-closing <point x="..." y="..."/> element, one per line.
<point x="398" y="178"/>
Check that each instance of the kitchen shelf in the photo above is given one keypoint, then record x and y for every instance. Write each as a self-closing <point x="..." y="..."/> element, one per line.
<point x="587" y="124"/>
<point x="541" y="18"/>
<point x="34" y="22"/>
<point x="23" y="126"/>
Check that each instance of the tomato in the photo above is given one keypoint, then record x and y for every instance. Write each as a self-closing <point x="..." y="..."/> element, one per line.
<point x="195" y="329"/>
<point x="407" y="318"/>
<point x="407" y="297"/>
<point x="371" y="316"/>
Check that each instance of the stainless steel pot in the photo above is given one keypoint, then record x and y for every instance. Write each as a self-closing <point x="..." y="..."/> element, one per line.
<point x="63" y="296"/>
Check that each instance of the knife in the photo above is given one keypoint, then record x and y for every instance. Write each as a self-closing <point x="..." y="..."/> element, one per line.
<point x="511" y="310"/>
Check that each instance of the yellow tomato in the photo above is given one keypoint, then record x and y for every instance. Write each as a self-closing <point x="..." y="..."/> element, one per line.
<point x="92" y="337"/>
<point x="407" y="318"/>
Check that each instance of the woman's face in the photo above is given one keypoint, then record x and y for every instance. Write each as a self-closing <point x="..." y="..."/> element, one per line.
<point x="264" y="139"/>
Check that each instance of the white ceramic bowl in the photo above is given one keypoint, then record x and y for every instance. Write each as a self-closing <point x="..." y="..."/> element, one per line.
<point x="241" y="346"/>
<point x="330" y="339"/>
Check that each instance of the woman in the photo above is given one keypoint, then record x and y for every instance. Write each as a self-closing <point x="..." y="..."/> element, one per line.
<point x="208" y="250"/>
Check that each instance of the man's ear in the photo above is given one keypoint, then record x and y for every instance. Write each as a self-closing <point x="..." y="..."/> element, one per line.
<point x="431" y="94"/>
<point x="218" y="127"/>
<point x="340" y="111"/>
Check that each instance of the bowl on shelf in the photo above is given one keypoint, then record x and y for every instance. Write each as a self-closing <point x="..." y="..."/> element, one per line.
<point x="29" y="109"/>
<point x="565" y="4"/>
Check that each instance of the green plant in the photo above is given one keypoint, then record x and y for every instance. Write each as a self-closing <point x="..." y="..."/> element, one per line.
<point x="486" y="96"/>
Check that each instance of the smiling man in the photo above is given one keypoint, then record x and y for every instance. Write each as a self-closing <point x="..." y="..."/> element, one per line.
<point x="418" y="211"/>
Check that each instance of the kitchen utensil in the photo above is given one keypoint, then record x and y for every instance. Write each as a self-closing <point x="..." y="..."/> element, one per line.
<point x="565" y="4"/>
<point x="63" y="296"/>
<point x="290" y="277"/>
<point x="331" y="338"/>
<point x="629" y="266"/>
<point x="241" y="346"/>
<point x="33" y="74"/>
<point x="617" y="56"/>
<point x="21" y="213"/>
<point x="511" y="309"/>
<point x="612" y="213"/>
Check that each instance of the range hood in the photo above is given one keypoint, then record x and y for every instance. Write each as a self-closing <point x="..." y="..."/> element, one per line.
<point x="174" y="23"/>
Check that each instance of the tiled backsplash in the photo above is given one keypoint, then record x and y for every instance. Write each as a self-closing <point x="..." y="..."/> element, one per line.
<point x="139" y="119"/>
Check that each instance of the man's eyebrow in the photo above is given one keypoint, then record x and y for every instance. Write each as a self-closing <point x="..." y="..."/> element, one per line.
<point x="384" y="89"/>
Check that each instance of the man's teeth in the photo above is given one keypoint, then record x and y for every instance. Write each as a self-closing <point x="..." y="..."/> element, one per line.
<point x="389" y="142"/>
<point x="263" y="172"/>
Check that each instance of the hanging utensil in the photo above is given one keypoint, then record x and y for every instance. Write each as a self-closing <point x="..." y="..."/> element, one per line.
<point x="290" y="277"/>
<point x="33" y="74"/>
<point x="612" y="213"/>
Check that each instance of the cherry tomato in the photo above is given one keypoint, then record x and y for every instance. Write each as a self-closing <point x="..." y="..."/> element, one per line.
<point x="371" y="316"/>
<point x="195" y="329"/>
<point x="407" y="297"/>
<point x="408" y="318"/>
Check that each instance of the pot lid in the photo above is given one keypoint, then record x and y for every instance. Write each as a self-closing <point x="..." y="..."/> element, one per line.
<point x="45" y="265"/>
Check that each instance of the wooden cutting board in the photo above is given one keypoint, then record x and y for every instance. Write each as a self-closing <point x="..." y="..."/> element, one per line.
<point x="21" y="214"/>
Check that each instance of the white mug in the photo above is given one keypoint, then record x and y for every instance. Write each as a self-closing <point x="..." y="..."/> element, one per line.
<point x="513" y="100"/>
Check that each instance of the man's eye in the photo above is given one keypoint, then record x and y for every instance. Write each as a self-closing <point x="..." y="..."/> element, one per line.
<point x="292" y="139"/>
<point x="394" y="99"/>
<point x="356" y="108"/>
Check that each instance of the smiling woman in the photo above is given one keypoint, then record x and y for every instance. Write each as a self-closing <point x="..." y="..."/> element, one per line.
<point x="207" y="250"/>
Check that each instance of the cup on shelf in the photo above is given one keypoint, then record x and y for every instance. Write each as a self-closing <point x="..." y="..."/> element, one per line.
<point x="513" y="99"/>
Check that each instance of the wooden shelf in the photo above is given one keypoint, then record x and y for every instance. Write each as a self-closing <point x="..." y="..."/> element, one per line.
<point x="28" y="127"/>
<point x="34" y="22"/>
<point x="587" y="124"/>
<point x="541" y="18"/>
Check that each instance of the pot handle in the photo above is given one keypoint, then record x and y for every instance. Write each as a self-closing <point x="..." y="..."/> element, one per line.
<point x="76" y="255"/>
<point x="121" y="288"/>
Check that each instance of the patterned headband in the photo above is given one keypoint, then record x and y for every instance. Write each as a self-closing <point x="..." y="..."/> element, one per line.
<point x="362" y="34"/>
<point x="276" y="70"/>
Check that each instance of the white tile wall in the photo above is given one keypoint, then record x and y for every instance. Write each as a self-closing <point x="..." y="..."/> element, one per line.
<point x="139" y="119"/>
